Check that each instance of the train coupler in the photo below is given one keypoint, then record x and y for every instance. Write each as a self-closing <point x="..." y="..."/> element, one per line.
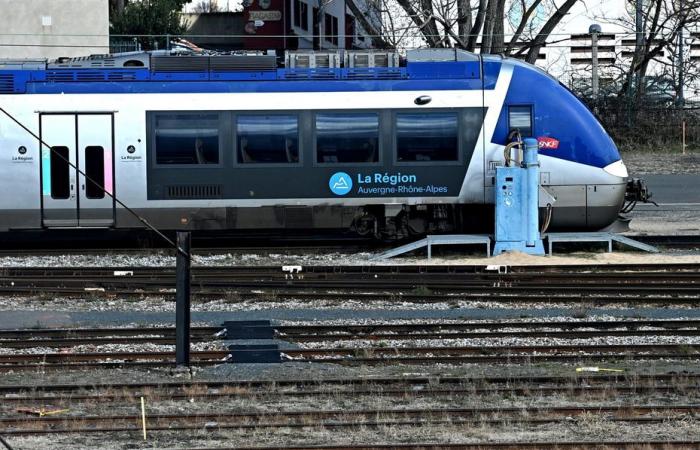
<point x="637" y="191"/>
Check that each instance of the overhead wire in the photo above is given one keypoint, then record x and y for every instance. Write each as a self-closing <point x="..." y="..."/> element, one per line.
<point x="4" y="442"/>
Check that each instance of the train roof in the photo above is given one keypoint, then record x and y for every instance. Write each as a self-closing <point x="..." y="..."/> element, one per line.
<point x="177" y="71"/>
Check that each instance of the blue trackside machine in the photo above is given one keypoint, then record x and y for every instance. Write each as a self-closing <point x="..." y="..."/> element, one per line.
<point x="517" y="201"/>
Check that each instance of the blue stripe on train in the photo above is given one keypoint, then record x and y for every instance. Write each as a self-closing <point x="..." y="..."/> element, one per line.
<point x="416" y="76"/>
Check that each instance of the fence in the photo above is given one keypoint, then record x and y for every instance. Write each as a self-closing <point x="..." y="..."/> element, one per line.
<point x="120" y="45"/>
<point x="659" y="128"/>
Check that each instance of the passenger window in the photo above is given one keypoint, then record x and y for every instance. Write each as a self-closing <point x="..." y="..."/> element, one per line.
<point x="95" y="170"/>
<point x="426" y="137"/>
<point x="60" y="173"/>
<point x="267" y="138"/>
<point x="347" y="138"/>
<point x="187" y="138"/>
<point x="520" y="118"/>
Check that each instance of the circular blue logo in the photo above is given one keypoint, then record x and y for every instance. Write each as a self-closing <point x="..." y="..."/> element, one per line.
<point x="340" y="183"/>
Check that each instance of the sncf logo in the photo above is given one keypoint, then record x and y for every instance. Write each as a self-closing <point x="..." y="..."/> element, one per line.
<point x="547" y="143"/>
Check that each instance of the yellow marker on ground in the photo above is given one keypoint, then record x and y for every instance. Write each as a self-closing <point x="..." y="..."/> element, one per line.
<point x="143" y="417"/>
<point x="50" y="412"/>
<point x="597" y="369"/>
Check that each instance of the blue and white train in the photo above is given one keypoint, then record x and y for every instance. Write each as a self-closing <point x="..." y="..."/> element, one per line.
<point x="372" y="143"/>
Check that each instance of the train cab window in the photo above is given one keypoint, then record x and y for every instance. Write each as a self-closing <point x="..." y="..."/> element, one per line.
<point x="427" y="137"/>
<point x="520" y="118"/>
<point x="267" y="139"/>
<point x="95" y="170"/>
<point x="60" y="173"/>
<point x="347" y="138"/>
<point x="187" y="138"/>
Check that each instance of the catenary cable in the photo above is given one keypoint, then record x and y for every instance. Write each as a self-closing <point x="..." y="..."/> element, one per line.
<point x="4" y="442"/>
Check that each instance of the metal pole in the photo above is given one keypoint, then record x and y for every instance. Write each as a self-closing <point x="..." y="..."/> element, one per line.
<point x="182" y="299"/>
<point x="532" y="165"/>
<point x="639" y="28"/>
<point x="594" y="30"/>
<point x="681" y="75"/>
<point x="594" y="57"/>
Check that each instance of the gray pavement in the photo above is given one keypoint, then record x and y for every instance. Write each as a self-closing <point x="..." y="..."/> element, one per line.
<point x="674" y="189"/>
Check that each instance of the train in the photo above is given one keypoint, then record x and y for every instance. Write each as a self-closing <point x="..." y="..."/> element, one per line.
<point x="370" y="142"/>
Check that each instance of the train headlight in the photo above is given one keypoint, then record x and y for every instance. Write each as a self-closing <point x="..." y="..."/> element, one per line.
<point x="617" y="169"/>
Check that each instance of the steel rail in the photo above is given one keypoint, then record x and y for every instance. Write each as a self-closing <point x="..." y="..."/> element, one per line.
<point x="584" y="378"/>
<point x="64" y="336"/>
<point x="377" y="391"/>
<point x="283" y="295"/>
<point x="506" y="351"/>
<point x="281" y="291"/>
<point x="343" y="418"/>
<point x="446" y="280"/>
<point x="318" y="270"/>
<point x="540" y="445"/>
<point x="317" y="337"/>
<point x="367" y="355"/>
<point x="316" y="328"/>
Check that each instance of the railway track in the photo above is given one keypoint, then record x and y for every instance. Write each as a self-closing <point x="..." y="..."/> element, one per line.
<point x="28" y="338"/>
<point x="403" y="387"/>
<point x="643" y="414"/>
<point x="365" y="356"/>
<point x="412" y="382"/>
<point x="389" y="347"/>
<point x="669" y="284"/>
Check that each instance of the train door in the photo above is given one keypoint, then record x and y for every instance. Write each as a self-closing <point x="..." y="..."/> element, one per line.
<point x="74" y="197"/>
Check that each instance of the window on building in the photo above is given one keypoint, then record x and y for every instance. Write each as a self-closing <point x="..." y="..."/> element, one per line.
<point x="520" y="118"/>
<point x="267" y="138"/>
<point x="304" y="16"/>
<point x="186" y="138"/>
<point x="347" y="138"/>
<point x="301" y="14"/>
<point x="330" y="28"/>
<point x="427" y="137"/>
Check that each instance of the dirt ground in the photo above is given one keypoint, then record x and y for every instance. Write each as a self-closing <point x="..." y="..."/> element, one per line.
<point x="647" y="163"/>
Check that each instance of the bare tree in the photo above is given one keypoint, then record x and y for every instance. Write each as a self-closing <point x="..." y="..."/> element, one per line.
<point x="664" y="21"/>
<point x="470" y="24"/>
<point x="362" y="16"/>
<point x="207" y="6"/>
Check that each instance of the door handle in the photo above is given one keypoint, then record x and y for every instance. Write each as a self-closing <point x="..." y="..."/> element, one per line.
<point x="83" y="187"/>
<point x="72" y="187"/>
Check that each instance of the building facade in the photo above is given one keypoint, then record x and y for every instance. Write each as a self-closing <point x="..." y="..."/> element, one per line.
<point x="569" y="56"/>
<point x="51" y="29"/>
<point x="306" y="24"/>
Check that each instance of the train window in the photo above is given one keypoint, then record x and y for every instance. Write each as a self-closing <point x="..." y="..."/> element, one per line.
<point x="347" y="138"/>
<point x="427" y="137"/>
<point x="520" y="118"/>
<point x="95" y="171"/>
<point x="267" y="138"/>
<point x="60" y="173"/>
<point x="187" y="138"/>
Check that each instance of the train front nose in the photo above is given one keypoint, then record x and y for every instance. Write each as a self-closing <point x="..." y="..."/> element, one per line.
<point x="606" y="198"/>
